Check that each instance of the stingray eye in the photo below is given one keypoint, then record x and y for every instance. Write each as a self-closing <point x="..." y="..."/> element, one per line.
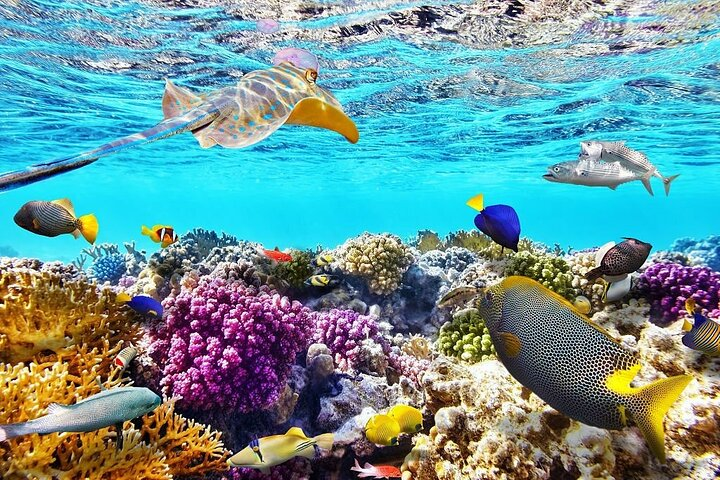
<point x="311" y="75"/>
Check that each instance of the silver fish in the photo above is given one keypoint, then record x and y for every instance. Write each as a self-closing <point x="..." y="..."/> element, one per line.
<point x="591" y="173"/>
<point x="104" y="409"/>
<point x="633" y="160"/>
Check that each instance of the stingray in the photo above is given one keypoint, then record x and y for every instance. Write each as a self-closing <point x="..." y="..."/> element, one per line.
<point x="232" y="117"/>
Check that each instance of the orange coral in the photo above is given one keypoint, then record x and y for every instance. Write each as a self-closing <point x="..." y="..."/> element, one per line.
<point x="45" y="309"/>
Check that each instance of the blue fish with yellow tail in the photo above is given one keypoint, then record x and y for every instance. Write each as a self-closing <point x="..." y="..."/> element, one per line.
<point x="704" y="334"/>
<point x="142" y="304"/>
<point x="232" y="117"/>
<point x="499" y="222"/>
<point x="572" y="363"/>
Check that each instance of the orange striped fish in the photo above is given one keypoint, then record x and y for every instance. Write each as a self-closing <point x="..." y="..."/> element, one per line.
<point x="51" y="219"/>
<point x="163" y="234"/>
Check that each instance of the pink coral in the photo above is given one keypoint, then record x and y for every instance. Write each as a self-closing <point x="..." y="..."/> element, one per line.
<point x="343" y="332"/>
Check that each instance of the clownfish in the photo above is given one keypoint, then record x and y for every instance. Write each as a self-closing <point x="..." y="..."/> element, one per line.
<point x="163" y="234"/>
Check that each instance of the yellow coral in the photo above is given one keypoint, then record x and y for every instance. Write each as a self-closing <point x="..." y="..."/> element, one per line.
<point x="167" y="444"/>
<point x="380" y="259"/>
<point x="45" y="310"/>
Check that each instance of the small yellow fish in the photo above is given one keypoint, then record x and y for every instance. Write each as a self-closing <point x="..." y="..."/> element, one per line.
<point x="409" y="418"/>
<point x="267" y="452"/>
<point x="382" y="430"/>
<point x="322" y="260"/>
<point x="322" y="280"/>
<point x="582" y="304"/>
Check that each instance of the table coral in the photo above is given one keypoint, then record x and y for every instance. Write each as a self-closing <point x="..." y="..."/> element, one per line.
<point x="466" y="337"/>
<point x="380" y="259"/>
<point x="46" y="309"/>
<point x="667" y="285"/>
<point x="553" y="272"/>
<point x="228" y="345"/>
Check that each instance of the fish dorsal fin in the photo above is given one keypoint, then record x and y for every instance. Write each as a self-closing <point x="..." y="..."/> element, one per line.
<point x="511" y="344"/>
<point x="313" y="112"/>
<point x="296" y="432"/>
<point x="476" y="202"/>
<point x="122" y="297"/>
<point x="177" y="101"/>
<point x="55" y="408"/>
<point x="66" y="204"/>
<point x="519" y="281"/>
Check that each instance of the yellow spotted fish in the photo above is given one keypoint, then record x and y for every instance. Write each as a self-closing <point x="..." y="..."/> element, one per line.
<point x="233" y="117"/>
<point x="573" y="364"/>
<point x="408" y="418"/>
<point x="266" y="452"/>
<point x="382" y="430"/>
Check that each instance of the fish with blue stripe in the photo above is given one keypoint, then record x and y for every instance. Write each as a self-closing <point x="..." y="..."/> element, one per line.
<point x="703" y="335"/>
<point x="233" y="117"/>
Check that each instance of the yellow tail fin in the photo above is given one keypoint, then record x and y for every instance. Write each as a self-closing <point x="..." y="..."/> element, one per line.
<point x="325" y="441"/>
<point x="122" y="298"/>
<point x="476" y="202"/>
<point x="313" y="112"/>
<point x="88" y="227"/>
<point x="649" y="414"/>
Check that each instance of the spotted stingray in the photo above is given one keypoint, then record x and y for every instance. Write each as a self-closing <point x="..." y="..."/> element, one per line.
<point x="232" y="117"/>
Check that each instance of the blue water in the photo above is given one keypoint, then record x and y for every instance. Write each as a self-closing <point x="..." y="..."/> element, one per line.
<point x="441" y="119"/>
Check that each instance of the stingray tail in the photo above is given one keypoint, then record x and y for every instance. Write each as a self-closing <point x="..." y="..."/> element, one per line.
<point x="42" y="171"/>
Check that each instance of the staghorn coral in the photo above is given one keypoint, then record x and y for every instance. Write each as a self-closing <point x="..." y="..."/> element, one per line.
<point x="466" y="337"/>
<point x="297" y="270"/>
<point x="228" y="345"/>
<point x="553" y="272"/>
<point x="380" y="259"/>
<point x="667" y="285"/>
<point x="165" y="445"/>
<point x="41" y="309"/>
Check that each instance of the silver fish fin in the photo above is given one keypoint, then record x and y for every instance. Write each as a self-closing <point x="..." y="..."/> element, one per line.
<point x="667" y="181"/>
<point x="55" y="408"/>
<point x="612" y="187"/>
<point x="648" y="187"/>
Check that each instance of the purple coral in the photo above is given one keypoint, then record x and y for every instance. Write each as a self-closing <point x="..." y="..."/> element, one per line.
<point x="668" y="285"/>
<point x="228" y="345"/>
<point x="343" y="332"/>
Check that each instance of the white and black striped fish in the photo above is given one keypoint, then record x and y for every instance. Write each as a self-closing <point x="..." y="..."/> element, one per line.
<point x="51" y="219"/>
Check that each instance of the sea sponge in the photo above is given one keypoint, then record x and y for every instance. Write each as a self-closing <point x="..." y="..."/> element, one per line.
<point x="466" y="337"/>
<point x="166" y="444"/>
<point x="43" y="309"/>
<point x="551" y="271"/>
<point x="380" y="259"/>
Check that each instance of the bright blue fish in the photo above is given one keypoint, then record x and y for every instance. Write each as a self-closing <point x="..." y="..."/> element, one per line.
<point x="142" y="304"/>
<point x="499" y="222"/>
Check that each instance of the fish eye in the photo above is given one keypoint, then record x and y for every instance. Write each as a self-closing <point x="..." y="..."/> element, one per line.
<point x="556" y="169"/>
<point x="311" y="75"/>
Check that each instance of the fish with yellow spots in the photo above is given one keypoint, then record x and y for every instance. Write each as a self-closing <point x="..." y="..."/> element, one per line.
<point x="572" y="363"/>
<point x="233" y="117"/>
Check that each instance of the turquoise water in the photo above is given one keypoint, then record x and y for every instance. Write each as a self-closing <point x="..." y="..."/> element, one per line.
<point x="442" y="117"/>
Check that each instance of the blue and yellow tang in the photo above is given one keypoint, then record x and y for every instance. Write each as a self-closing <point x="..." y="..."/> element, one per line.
<point x="499" y="222"/>
<point x="572" y="363"/>
<point x="142" y="304"/>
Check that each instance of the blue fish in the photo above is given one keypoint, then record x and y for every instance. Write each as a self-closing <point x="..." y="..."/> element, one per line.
<point x="499" y="222"/>
<point x="703" y="335"/>
<point x="142" y="304"/>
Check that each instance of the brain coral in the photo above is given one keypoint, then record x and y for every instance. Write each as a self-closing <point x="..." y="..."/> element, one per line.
<point x="380" y="259"/>
<point x="228" y="345"/>
<point x="47" y="308"/>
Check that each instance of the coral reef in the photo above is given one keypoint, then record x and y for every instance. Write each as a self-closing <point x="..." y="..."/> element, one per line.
<point x="47" y="308"/>
<point x="553" y="272"/>
<point x="466" y="337"/>
<point x="343" y="332"/>
<point x="108" y="263"/>
<point x="426" y="240"/>
<point x="297" y="270"/>
<point x="667" y="285"/>
<point x="706" y="250"/>
<point x="380" y="259"/>
<point x="228" y="345"/>
<point x="581" y="263"/>
<point x="454" y="260"/>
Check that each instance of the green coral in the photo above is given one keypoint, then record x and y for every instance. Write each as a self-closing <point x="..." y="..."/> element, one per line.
<point x="484" y="246"/>
<point x="297" y="270"/>
<point x="551" y="271"/>
<point x="427" y="240"/>
<point x="380" y="259"/>
<point x="466" y="337"/>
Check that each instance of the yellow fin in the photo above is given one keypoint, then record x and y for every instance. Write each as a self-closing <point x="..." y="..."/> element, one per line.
<point x="88" y="226"/>
<point x="122" y="298"/>
<point x="177" y="101"/>
<point x="511" y="344"/>
<point x="619" y="381"/>
<point x="690" y="305"/>
<point x="476" y="202"/>
<point x="66" y="204"/>
<point x="525" y="282"/>
<point x="687" y="326"/>
<point x="325" y="440"/>
<point x="150" y="233"/>
<point x="296" y="432"/>
<point x="623" y="415"/>
<point x="313" y="112"/>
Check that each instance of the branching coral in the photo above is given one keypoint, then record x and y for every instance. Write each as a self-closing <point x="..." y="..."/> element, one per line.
<point x="466" y="337"/>
<point x="706" y="250"/>
<point x="108" y="263"/>
<point x="44" y="309"/>
<point x="553" y="272"/>
<point x="380" y="259"/>
<point x="297" y="270"/>
<point x="228" y="345"/>
<point x="343" y="332"/>
<point x="166" y="445"/>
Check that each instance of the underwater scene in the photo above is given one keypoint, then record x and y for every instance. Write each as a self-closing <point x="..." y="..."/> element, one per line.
<point x="346" y="239"/>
